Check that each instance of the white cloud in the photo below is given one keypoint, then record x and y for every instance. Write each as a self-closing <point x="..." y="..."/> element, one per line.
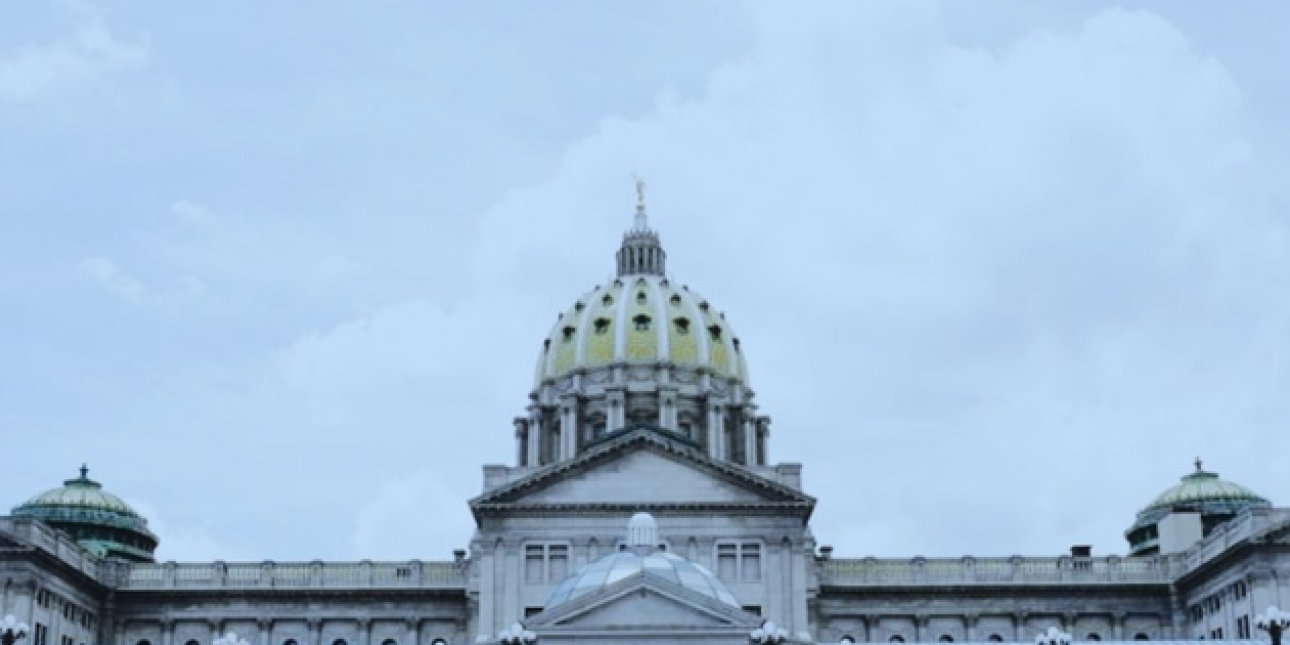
<point x="91" y="51"/>
<point x="113" y="278"/>
<point x="418" y="516"/>
<point x="186" y="543"/>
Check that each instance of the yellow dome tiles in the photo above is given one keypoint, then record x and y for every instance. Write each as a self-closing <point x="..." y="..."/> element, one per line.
<point x="600" y="330"/>
<point x="641" y="319"/>
<point x="642" y="332"/>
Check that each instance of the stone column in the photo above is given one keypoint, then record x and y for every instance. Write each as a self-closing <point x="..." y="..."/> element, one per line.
<point x="969" y="627"/>
<point x="535" y="436"/>
<point x="167" y="631"/>
<point x="667" y="411"/>
<point x="867" y="624"/>
<point x="315" y="630"/>
<point x="487" y="591"/>
<point x="1117" y="626"/>
<point x="521" y="440"/>
<point x="616" y="414"/>
<point x="568" y="426"/>
<point x="265" y="626"/>
<point x="763" y="440"/>
<point x="414" y="632"/>
<point x="364" y="631"/>
<point x="716" y="430"/>
<point x="749" y="429"/>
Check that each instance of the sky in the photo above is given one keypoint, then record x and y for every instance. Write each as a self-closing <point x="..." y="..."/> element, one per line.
<point x="279" y="273"/>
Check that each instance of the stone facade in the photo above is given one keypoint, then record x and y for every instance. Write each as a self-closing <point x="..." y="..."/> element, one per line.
<point x="671" y="431"/>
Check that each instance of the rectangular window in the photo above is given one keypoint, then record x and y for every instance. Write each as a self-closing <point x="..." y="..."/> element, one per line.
<point x="728" y="561"/>
<point x="1243" y="627"/>
<point x="558" y="562"/>
<point x="546" y="563"/>
<point x="534" y="562"/>
<point x="750" y="562"/>
<point x="739" y="561"/>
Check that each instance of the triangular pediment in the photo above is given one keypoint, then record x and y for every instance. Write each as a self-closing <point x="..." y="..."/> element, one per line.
<point x="643" y="469"/>
<point x="643" y="476"/>
<point x="644" y="603"/>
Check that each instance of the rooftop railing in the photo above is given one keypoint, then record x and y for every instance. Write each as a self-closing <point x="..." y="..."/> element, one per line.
<point x="1111" y="570"/>
<point x="412" y="574"/>
<point x="53" y="542"/>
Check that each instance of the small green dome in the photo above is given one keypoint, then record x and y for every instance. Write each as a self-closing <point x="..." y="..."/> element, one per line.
<point x="1216" y="499"/>
<point x="101" y="522"/>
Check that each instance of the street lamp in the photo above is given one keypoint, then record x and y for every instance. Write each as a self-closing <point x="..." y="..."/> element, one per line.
<point x="12" y="631"/>
<point x="516" y="635"/>
<point x="1053" y="636"/>
<point x="769" y="633"/>
<point x="1274" y="622"/>
<point x="230" y="639"/>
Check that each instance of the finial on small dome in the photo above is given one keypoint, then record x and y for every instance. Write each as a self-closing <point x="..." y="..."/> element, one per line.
<point x="1199" y="463"/>
<point x="85" y="471"/>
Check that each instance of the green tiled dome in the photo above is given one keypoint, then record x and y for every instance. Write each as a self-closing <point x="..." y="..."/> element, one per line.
<point x="1216" y="499"/>
<point x="101" y="522"/>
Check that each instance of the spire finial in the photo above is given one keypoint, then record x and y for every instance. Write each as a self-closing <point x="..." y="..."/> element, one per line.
<point x="85" y="471"/>
<point x="1199" y="463"/>
<point x="640" y="194"/>
<point x="641" y="223"/>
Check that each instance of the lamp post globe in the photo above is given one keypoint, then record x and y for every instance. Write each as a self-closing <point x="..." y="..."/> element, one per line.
<point x="12" y="631"/>
<point x="1053" y="636"/>
<point x="230" y="638"/>
<point x="1273" y="621"/>
<point x="516" y="635"/>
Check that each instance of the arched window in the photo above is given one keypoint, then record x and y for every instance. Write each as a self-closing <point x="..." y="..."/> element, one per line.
<point x="192" y="642"/>
<point x="1093" y="636"/>
<point x="144" y="642"/>
<point x="340" y="641"/>
<point x="847" y="639"/>
<point x="896" y="638"/>
<point x="389" y="641"/>
<point x="995" y="638"/>
<point x="438" y="641"/>
<point x="290" y="641"/>
<point x="1141" y="636"/>
<point x="945" y="638"/>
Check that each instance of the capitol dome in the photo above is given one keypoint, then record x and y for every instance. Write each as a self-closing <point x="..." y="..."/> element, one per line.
<point x="641" y="557"/>
<point x="641" y="320"/>
<point x="1216" y="499"/>
<point x="643" y="349"/>
<point x="98" y="520"/>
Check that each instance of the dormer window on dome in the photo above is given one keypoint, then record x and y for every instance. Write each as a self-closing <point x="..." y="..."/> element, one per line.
<point x="715" y="332"/>
<point x="568" y="333"/>
<point x="602" y="326"/>
<point x="682" y="325"/>
<point x="607" y="301"/>
<point x="675" y="300"/>
<point x="641" y="322"/>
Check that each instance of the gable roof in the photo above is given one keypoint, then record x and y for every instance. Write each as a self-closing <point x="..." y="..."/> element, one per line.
<point x="647" y="602"/>
<point x="726" y="487"/>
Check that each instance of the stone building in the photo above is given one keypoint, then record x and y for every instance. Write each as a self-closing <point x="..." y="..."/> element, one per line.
<point x="642" y="409"/>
